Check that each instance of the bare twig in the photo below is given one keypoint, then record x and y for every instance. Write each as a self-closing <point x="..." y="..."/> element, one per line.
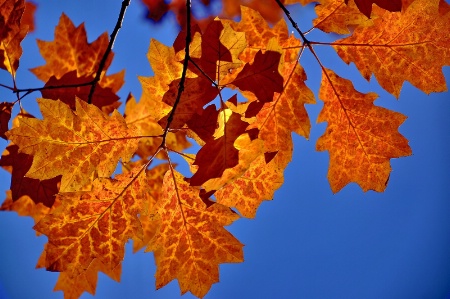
<point x="125" y="4"/>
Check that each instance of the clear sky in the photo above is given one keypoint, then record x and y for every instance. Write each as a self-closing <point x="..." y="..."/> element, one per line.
<point x="307" y="242"/>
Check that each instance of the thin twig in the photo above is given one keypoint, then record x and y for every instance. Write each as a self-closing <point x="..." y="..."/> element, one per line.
<point x="294" y="24"/>
<point x="7" y="87"/>
<point x="125" y="4"/>
<point x="183" y="73"/>
<point x="30" y="90"/>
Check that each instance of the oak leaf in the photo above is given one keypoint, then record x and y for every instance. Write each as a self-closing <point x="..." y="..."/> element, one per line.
<point x="149" y="220"/>
<point x="25" y="206"/>
<point x="86" y="281"/>
<point x="257" y="184"/>
<point x="361" y="138"/>
<point x="70" y="51"/>
<point x="335" y="16"/>
<point x="38" y="191"/>
<point x="261" y="77"/>
<point x="284" y="115"/>
<point x="219" y="154"/>
<point x="191" y="242"/>
<point x="141" y="115"/>
<point x="12" y="32"/>
<point x="74" y="144"/>
<point x="94" y="224"/>
<point x="220" y="49"/>
<point x="197" y="93"/>
<point x="411" y="46"/>
<point x="28" y="15"/>
<point x="202" y="126"/>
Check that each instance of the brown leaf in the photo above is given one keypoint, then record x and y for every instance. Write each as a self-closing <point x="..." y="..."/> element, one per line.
<point x="104" y="98"/>
<point x="5" y="116"/>
<point x="38" y="191"/>
<point x="219" y="154"/>
<point x="261" y="77"/>
<point x="197" y="93"/>
<point x="365" y="6"/>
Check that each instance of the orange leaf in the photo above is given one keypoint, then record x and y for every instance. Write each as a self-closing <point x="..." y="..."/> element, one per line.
<point x="335" y="16"/>
<point x="74" y="144"/>
<point x="141" y="115"/>
<point x="286" y="114"/>
<point x="71" y="51"/>
<point x="86" y="281"/>
<point x="28" y="15"/>
<point x="257" y="31"/>
<point x="257" y="184"/>
<point x="411" y="46"/>
<point x="191" y="242"/>
<point x="148" y="219"/>
<point x="25" y="206"/>
<point x="94" y="224"/>
<point x="360" y="137"/>
<point x="12" y="32"/>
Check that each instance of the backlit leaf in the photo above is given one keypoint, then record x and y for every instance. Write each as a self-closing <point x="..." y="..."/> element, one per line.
<point x="191" y="242"/>
<point x="257" y="184"/>
<point x="94" y="224"/>
<point x="74" y="144"/>
<point x="411" y="46"/>
<point x="336" y="16"/>
<point x="361" y="138"/>
<point x="12" y="32"/>
<point x="70" y="51"/>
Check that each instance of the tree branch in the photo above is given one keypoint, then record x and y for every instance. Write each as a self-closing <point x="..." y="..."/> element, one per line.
<point x="294" y="24"/>
<point x="183" y="73"/>
<point x="125" y="4"/>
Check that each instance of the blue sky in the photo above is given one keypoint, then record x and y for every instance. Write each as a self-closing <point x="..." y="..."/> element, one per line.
<point x="307" y="242"/>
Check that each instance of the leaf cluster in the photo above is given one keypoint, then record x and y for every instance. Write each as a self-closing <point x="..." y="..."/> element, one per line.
<point x="64" y="166"/>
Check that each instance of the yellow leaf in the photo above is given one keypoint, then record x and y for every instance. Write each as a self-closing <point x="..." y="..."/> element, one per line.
<point x="74" y="144"/>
